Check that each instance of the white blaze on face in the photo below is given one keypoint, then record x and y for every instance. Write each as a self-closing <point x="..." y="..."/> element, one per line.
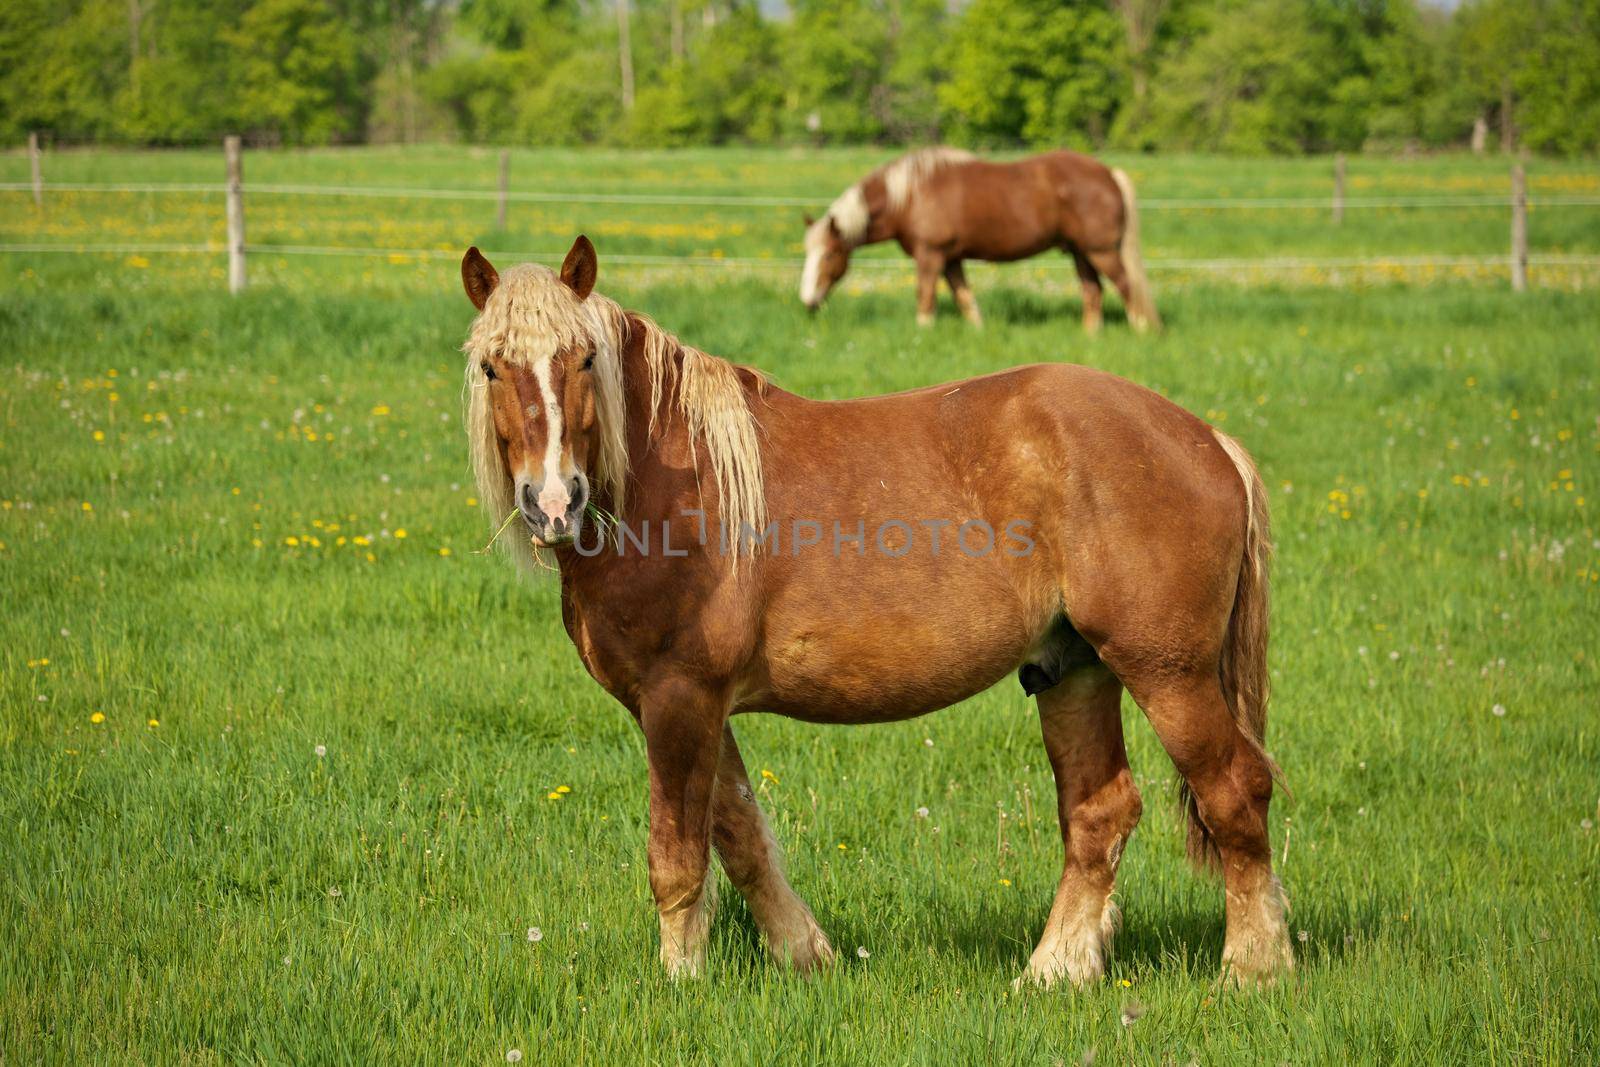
<point x="554" y="497"/>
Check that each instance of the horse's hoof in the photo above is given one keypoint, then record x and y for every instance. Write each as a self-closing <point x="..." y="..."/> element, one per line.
<point x="685" y="970"/>
<point x="806" y="955"/>
<point x="1261" y="969"/>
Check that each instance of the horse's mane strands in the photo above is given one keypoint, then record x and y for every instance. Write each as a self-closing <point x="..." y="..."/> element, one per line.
<point x="531" y="316"/>
<point x="850" y="216"/>
<point x="901" y="178"/>
<point x="711" y="401"/>
<point x="849" y="212"/>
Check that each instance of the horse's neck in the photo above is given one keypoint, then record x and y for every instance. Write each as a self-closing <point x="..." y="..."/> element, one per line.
<point x="652" y="419"/>
<point x="882" y="223"/>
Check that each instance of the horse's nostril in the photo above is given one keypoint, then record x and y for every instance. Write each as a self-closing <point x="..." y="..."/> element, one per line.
<point x="558" y="526"/>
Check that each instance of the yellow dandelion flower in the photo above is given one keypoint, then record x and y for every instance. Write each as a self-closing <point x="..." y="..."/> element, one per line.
<point x="1126" y="984"/>
<point x="381" y="409"/>
<point x="552" y="795"/>
<point x="444" y="550"/>
<point x="153" y="723"/>
<point x="400" y="534"/>
<point x="87" y="506"/>
<point x="769" y="776"/>
<point x="291" y="541"/>
<point x="563" y="789"/>
<point x="843" y="847"/>
<point x="99" y="435"/>
<point x="1005" y="881"/>
<point x="97" y="718"/>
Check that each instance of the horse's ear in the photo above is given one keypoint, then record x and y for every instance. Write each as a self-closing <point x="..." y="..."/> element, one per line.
<point x="833" y="227"/>
<point x="578" y="270"/>
<point x="808" y="218"/>
<point x="479" y="277"/>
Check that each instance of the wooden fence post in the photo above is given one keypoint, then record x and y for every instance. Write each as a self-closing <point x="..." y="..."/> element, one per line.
<point x="230" y="148"/>
<point x="33" y="165"/>
<point x="505" y="187"/>
<point x="1519" y="227"/>
<point x="1338" y="188"/>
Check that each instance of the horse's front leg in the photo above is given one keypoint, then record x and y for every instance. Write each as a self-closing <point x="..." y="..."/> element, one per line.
<point x="754" y="864"/>
<point x="683" y="731"/>
<point x="930" y="265"/>
<point x="956" y="275"/>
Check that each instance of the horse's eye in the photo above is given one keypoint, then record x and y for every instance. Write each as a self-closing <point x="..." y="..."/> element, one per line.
<point x="488" y="371"/>
<point x="588" y="363"/>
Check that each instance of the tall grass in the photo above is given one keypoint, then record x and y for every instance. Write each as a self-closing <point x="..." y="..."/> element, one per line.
<point x="316" y="820"/>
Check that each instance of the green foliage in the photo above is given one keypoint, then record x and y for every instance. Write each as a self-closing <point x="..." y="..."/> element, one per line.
<point x="1237" y="76"/>
<point x="1035" y="71"/>
<point x="297" y="73"/>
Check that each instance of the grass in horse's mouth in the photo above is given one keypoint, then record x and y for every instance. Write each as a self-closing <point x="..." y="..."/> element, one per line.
<point x="485" y="550"/>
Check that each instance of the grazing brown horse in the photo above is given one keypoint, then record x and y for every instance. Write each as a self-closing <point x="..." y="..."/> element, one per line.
<point x="944" y="206"/>
<point x="725" y="546"/>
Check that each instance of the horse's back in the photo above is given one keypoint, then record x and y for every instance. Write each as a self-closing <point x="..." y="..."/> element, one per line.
<point x="999" y="211"/>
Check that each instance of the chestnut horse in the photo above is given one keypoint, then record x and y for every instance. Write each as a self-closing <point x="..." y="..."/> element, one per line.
<point x="725" y="546"/>
<point x="944" y="206"/>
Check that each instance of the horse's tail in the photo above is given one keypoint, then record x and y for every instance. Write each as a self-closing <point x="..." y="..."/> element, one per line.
<point x="1141" y="305"/>
<point x="1243" y="670"/>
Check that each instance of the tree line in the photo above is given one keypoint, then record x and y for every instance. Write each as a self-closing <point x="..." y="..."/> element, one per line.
<point x="1237" y="76"/>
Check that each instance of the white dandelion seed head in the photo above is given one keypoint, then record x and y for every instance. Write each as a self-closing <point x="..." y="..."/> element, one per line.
<point x="535" y="935"/>
<point x="583" y="927"/>
<point x="1499" y="711"/>
<point x="514" y="1055"/>
<point x="927" y="742"/>
<point x="1361" y="651"/>
<point x="321" y="751"/>
<point x="922" y="813"/>
<point x="1304" y="935"/>
<point x="334" y="891"/>
<point x="1587" y="825"/>
<point x="861" y="951"/>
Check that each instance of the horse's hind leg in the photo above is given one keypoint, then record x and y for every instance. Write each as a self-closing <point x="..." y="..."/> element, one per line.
<point x="754" y="865"/>
<point x="1099" y="807"/>
<point x="1110" y="264"/>
<point x="1232" y="786"/>
<point x="957" y="277"/>
<point x="1089" y="278"/>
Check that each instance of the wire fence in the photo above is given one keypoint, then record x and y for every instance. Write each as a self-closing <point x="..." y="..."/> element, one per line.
<point x="1319" y="203"/>
<point x="1225" y="264"/>
<point x="1518" y="203"/>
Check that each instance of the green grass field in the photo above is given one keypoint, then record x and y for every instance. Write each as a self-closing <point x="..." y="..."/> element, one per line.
<point x="277" y="747"/>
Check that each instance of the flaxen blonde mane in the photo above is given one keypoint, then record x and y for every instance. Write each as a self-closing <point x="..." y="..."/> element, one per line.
<point x="849" y="212"/>
<point x="531" y="316"/>
<point x="901" y="178"/>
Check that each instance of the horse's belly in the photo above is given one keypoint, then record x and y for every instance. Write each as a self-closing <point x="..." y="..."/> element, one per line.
<point x="897" y="658"/>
